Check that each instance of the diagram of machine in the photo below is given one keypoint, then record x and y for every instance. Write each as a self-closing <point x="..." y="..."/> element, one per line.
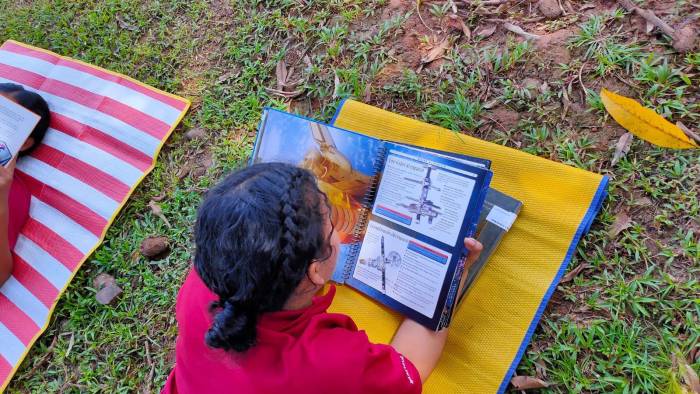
<point x="423" y="206"/>
<point x="5" y="154"/>
<point x="344" y="186"/>
<point x="381" y="262"/>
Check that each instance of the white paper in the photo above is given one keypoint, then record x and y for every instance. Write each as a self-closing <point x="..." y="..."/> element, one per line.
<point x="429" y="199"/>
<point x="16" y="123"/>
<point x="501" y="218"/>
<point x="405" y="269"/>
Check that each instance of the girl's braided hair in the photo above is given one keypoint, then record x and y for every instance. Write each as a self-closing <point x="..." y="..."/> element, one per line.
<point x="33" y="102"/>
<point x="256" y="233"/>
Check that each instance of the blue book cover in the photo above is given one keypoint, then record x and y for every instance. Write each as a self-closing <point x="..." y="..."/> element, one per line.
<point x="401" y="211"/>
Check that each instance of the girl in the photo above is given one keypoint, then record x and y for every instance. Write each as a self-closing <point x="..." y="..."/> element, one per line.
<point x="14" y="195"/>
<point x="247" y="316"/>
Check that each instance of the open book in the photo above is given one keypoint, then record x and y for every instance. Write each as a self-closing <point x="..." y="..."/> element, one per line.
<point x="16" y="123"/>
<point x="402" y="212"/>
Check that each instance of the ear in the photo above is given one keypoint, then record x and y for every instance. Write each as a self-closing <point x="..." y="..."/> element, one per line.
<point x="315" y="273"/>
<point x="27" y="144"/>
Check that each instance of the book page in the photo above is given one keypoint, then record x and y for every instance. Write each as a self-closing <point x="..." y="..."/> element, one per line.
<point x="16" y="123"/>
<point x="427" y="197"/>
<point x="405" y="269"/>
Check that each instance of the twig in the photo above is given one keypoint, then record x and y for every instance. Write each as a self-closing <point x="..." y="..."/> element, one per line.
<point x="421" y="16"/>
<point x="649" y="16"/>
<point x="580" y="79"/>
<point x="519" y="31"/>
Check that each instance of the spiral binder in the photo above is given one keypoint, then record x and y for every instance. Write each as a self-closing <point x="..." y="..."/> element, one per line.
<point x="366" y="210"/>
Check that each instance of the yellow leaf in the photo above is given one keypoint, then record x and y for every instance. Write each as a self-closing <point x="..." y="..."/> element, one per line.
<point x="645" y="123"/>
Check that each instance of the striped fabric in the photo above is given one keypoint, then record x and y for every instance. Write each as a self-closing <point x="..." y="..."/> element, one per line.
<point x="106" y="131"/>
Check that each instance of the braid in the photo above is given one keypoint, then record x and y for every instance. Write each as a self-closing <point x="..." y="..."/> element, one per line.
<point x="251" y="256"/>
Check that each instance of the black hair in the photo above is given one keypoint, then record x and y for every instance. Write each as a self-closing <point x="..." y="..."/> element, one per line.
<point x="256" y="234"/>
<point x="33" y="102"/>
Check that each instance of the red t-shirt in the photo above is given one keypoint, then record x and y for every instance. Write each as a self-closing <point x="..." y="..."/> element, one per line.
<point x="18" y="205"/>
<point x="298" y="351"/>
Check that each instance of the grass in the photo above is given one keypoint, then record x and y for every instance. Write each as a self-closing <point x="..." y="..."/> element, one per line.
<point x="615" y="328"/>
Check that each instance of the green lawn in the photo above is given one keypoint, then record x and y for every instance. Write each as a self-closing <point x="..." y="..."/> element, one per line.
<point x="618" y="326"/>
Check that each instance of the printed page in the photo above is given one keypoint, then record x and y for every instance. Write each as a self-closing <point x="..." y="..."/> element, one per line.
<point x="16" y="123"/>
<point x="405" y="269"/>
<point x="427" y="197"/>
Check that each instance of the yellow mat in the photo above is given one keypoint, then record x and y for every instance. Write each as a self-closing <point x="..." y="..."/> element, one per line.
<point x="493" y="326"/>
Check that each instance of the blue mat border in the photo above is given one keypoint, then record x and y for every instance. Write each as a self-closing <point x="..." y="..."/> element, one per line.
<point x="583" y="227"/>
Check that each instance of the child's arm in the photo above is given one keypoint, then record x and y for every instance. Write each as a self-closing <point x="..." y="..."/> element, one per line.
<point x="6" y="174"/>
<point x="421" y="345"/>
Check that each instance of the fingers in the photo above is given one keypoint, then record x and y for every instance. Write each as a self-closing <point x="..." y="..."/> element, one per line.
<point x="474" y="247"/>
<point x="11" y="164"/>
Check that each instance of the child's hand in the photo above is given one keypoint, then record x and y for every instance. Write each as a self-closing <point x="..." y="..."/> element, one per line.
<point x="6" y="175"/>
<point x="474" y="247"/>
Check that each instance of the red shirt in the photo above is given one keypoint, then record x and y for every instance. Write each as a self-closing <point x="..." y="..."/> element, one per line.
<point x="18" y="205"/>
<point x="298" y="351"/>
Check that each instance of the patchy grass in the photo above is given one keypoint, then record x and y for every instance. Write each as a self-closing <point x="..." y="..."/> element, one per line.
<point x="617" y="327"/>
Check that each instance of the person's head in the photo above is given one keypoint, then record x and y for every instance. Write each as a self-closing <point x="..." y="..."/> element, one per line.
<point x="263" y="235"/>
<point x="33" y="102"/>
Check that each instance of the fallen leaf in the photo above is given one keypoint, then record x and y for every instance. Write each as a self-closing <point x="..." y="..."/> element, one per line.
<point x="622" y="222"/>
<point x="689" y="375"/>
<point x="694" y="354"/>
<point x="368" y="93"/>
<point x="645" y="123"/>
<point x="281" y="93"/>
<point x="107" y="289"/>
<point x="528" y="383"/>
<point x="573" y="273"/>
<point x="124" y="24"/>
<point x="621" y="148"/>
<point x="155" y="248"/>
<point x="281" y="72"/>
<point x="336" y="84"/>
<point x="437" y="51"/>
<point x="649" y="27"/>
<point x="456" y="22"/>
<point x="486" y="31"/>
<point x="158" y="211"/>
<point x="692" y="135"/>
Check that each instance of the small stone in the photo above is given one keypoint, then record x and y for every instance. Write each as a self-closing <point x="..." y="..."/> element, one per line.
<point x="195" y="133"/>
<point x="685" y="38"/>
<point x="549" y="8"/>
<point x="155" y="248"/>
<point x="107" y="289"/>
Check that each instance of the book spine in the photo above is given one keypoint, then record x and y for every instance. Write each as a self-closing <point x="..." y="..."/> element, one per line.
<point x="365" y="211"/>
<point x="452" y="294"/>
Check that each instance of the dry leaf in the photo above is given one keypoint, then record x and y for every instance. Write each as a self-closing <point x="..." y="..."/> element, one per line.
<point x="622" y="222"/>
<point x="456" y="22"/>
<point x="573" y="273"/>
<point x="692" y="135"/>
<point x="485" y="32"/>
<point x="156" y="209"/>
<point x="124" y="24"/>
<point x="645" y="123"/>
<point x="528" y="383"/>
<point x="281" y="93"/>
<point x="336" y="84"/>
<point x="621" y="148"/>
<point x="281" y="72"/>
<point x="691" y="378"/>
<point x="437" y="51"/>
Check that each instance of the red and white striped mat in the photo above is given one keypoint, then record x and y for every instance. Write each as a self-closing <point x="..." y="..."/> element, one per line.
<point x="106" y="131"/>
